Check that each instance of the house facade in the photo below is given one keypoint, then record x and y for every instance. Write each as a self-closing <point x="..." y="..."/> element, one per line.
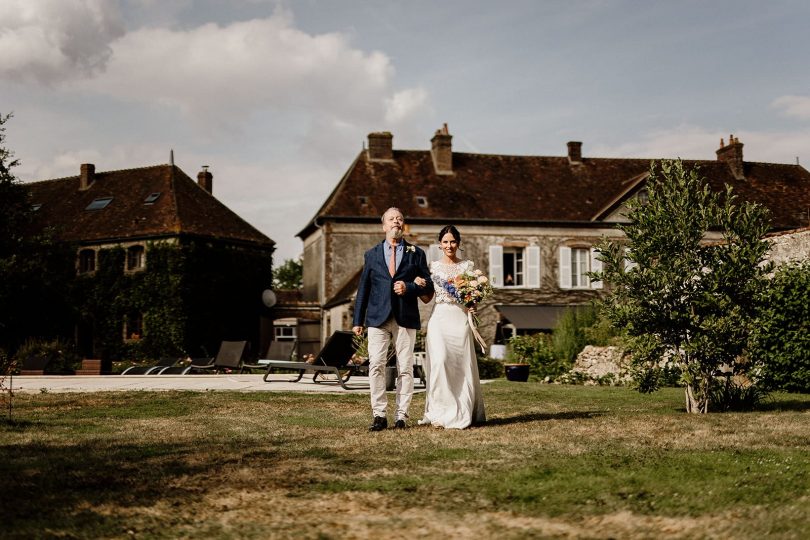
<point x="162" y="268"/>
<point x="530" y="222"/>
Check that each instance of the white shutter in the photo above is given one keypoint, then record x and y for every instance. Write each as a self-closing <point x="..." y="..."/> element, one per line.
<point x="533" y="274"/>
<point x="565" y="267"/>
<point x="496" y="265"/>
<point x="628" y="264"/>
<point x="434" y="253"/>
<point x="596" y="266"/>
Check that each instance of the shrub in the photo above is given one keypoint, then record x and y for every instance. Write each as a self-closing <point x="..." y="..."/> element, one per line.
<point x="734" y="395"/>
<point x="489" y="368"/>
<point x="781" y="341"/>
<point x="63" y="358"/>
<point x="536" y="351"/>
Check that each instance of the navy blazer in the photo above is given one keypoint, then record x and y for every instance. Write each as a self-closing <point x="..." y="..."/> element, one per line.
<point x="376" y="300"/>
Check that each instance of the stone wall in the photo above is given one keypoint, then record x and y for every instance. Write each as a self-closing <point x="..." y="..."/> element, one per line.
<point x="596" y="363"/>
<point x="790" y="246"/>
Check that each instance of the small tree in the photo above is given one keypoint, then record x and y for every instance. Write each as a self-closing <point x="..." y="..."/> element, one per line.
<point x="680" y="296"/>
<point x="289" y="275"/>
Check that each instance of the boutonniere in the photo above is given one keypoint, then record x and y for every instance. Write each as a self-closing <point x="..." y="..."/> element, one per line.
<point x="410" y="249"/>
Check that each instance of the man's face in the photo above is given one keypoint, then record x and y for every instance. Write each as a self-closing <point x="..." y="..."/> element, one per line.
<point x="392" y="225"/>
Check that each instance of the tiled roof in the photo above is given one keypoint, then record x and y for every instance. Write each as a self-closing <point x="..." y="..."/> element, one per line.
<point x="536" y="188"/>
<point x="183" y="208"/>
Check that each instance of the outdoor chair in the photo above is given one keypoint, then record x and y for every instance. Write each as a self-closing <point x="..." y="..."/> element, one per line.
<point x="334" y="358"/>
<point x="154" y="369"/>
<point x="282" y="351"/>
<point x="34" y="364"/>
<point x="229" y="357"/>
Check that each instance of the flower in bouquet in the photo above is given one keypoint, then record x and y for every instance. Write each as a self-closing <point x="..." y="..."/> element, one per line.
<point x="467" y="288"/>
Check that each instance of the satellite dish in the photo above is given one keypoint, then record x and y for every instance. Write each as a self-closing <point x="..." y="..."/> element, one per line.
<point x="269" y="298"/>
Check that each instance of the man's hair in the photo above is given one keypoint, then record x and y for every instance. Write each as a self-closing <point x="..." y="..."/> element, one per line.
<point x="382" y="218"/>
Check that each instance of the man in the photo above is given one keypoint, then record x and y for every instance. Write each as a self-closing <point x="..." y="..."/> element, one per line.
<point x="387" y="303"/>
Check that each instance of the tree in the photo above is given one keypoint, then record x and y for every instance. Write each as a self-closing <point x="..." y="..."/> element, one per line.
<point x="289" y="275"/>
<point x="681" y="296"/>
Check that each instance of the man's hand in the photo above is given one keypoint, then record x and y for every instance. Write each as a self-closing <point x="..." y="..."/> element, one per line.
<point x="399" y="288"/>
<point x="358" y="330"/>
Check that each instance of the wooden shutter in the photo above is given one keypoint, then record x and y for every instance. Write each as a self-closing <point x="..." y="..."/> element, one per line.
<point x="565" y="267"/>
<point x="496" y="265"/>
<point x="533" y="267"/>
<point x="596" y="266"/>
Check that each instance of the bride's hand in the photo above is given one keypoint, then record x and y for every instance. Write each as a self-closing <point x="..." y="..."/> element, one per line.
<point x="420" y="281"/>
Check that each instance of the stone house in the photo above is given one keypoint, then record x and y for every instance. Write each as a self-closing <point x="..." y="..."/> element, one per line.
<point x="530" y="222"/>
<point x="161" y="266"/>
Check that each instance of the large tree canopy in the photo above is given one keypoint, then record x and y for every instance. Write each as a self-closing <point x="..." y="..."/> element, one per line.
<point x="676" y="292"/>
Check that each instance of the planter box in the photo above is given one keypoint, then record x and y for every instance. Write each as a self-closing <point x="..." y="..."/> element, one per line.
<point x="90" y="367"/>
<point x="517" y="372"/>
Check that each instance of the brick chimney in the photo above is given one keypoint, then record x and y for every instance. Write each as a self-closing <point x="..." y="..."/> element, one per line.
<point x="574" y="152"/>
<point x="380" y="146"/>
<point x="733" y="156"/>
<point x="87" y="176"/>
<point x="442" y="151"/>
<point x="205" y="179"/>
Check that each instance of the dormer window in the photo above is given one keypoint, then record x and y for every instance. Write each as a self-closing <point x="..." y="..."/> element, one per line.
<point x="87" y="261"/>
<point x="422" y="201"/>
<point x="151" y="198"/>
<point x="99" y="203"/>
<point x="363" y="200"/>
<point x="135" y="258"/>
<point x="35" y="207"/>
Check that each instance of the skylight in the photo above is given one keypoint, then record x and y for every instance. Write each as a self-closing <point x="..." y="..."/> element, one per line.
<point x="99" y="203"/>
<point x="151" y="198"/>
<point x="421" y="201"/>
<point x="35" y="207"/>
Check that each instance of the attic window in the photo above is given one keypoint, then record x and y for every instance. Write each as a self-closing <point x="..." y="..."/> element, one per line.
<point x="99" y="203"/>
<point x="363" y="200"/>
<point x="35" y="207"/>
<point x="421" y="201"/>
<point x="151" y="198"/>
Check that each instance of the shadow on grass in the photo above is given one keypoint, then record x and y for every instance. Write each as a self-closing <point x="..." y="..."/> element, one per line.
<point x="541" y="417"/>
<point x="784" y="405"/>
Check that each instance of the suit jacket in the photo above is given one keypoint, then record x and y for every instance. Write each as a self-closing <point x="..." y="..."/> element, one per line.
<point x="376" y="300"/>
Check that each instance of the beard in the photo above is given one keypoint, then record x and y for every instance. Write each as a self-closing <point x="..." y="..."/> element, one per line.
<point x="394" y="234"/>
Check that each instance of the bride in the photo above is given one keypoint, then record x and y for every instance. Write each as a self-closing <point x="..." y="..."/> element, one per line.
<point x="453" y="398"/>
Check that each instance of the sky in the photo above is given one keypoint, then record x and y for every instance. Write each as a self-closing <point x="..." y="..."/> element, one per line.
<point x="278" y="97"/>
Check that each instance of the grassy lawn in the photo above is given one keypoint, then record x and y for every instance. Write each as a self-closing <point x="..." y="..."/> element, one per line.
<point x="553" y="461"/>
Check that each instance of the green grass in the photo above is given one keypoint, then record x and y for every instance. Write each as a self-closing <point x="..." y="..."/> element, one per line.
<point x="552" y="461"/>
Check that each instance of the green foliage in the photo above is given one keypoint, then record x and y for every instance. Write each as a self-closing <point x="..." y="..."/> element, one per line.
<point x="733" y="395"/>
<point x="691" y="299"/>
<point x="536" y="350"/>
<point x="581" y="326"/>
<point x="289" y="275"/>
<point x="62" y="357"/>
<point x="489" y="368"/>
<point x="782" y="337"/>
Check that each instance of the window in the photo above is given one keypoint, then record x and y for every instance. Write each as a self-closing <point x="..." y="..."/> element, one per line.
<point x="36" y="206"/>
<point x="363" y="200"/>
<point x="87" y="261"/>
<point x="135" y="258"/>
<point x="99" y="203"/>
<point x="151" y="198"/>
<point x="133" y="327"/>
<point x="285" y="333"/>
<point x="433" y="253"/>
<point x="514" y="266"/>
<point x="575" y="263"/>
<point x="421" y="201"/>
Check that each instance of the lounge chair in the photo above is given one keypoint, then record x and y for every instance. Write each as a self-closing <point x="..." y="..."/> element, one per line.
<point x="334" y="358"/>
<point x="153" y="369"/>
<point x="35" y="364"/>
<point x="282" y="351"/>
<point x="229" y="357"/>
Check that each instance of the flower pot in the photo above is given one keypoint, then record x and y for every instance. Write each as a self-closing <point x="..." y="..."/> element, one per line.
<point x="517" y="372"/>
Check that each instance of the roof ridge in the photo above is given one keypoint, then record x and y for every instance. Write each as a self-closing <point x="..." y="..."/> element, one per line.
<point x="101" y="172"/>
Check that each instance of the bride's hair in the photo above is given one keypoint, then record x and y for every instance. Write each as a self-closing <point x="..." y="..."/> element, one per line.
<point x="452" y="230"/>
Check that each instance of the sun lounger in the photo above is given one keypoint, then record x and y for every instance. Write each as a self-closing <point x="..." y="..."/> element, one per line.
<point x="333" y="359"/>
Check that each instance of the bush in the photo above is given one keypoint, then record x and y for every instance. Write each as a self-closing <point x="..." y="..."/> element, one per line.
<point x="781" y="341"/>
<point x="579" y="327"/>
<point x="731" y="395"/>
<point x="63" y="359"/>
<point x="536" y="351"/>
<point x="489" y="368"/>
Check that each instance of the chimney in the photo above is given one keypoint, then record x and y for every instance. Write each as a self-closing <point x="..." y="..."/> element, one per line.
<point x="205" y="179"/>
<point x="380" y="146"/>
<point x="87" y="176"/>
<point x="733" y="156"/>
<point x="574" y="152"/>
<point x="442" y="151"/>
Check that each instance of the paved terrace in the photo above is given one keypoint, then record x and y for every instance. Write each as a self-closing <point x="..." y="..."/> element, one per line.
<point x="197" y="383"/>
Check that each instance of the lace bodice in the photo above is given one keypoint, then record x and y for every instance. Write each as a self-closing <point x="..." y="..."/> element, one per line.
<point x="440" y="272"/>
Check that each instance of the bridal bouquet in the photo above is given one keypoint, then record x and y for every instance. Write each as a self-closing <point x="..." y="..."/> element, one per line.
<point x="468" y="288"/>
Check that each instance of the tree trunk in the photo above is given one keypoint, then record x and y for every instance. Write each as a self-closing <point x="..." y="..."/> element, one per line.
<point x="697" y="398"/>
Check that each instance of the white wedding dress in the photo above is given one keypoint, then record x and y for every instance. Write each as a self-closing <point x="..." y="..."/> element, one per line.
<point x="453" y="398"/>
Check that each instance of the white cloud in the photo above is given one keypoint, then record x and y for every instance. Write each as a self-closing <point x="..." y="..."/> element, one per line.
<point x="405" y="103"/>
<point x="52" y="40"/>
<point x="795" y="106"/>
